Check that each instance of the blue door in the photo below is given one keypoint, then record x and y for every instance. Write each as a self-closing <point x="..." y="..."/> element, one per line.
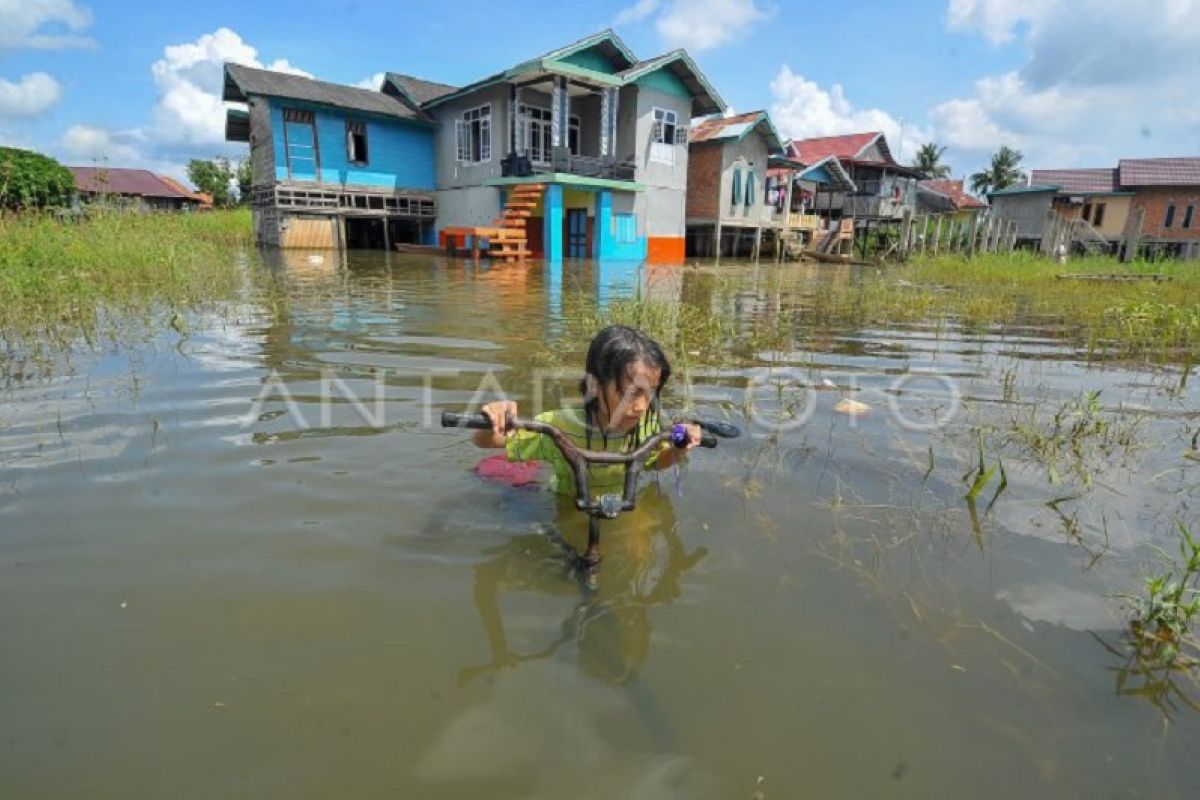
<point x="577" y="233"/>
<point x="300" y="136"/>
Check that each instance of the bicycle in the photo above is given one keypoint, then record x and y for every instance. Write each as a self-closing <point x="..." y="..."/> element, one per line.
<point x="605" y="506"/>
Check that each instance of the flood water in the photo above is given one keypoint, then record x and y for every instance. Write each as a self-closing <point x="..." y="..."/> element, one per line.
<point x="214" y="584"/>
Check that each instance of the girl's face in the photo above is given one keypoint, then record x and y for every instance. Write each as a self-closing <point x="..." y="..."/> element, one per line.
<point x="623" y="404"/>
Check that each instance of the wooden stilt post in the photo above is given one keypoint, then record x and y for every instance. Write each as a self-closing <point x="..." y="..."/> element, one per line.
<point x="905" y="231"/>
<point x="757" y="243"/>
<point x="717" y="242"/>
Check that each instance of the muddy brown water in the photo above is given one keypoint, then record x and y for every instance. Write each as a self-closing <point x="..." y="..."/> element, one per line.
<point x="204" y="597"/>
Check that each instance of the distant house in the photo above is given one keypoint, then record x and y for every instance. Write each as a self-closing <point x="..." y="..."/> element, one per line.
<point x="582" y="149"/>
<point x="1102" y="206"/>
<point x="728" y="198"/>
<point x="883" y="188"/>
<point x="1166" y="193"/>
<point x="945" y="196"/>
<point x="135" y="188"/>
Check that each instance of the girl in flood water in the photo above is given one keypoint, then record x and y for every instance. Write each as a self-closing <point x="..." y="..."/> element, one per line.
<point x="625" y="372"/>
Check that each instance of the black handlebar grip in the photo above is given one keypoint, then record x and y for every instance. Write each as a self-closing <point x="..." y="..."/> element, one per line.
<point x="451" y="419"/>
<point x="708" y="440"/>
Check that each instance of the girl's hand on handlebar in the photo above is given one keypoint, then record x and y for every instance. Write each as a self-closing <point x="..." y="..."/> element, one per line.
<point x="498" y="412"/>
<point x="673" y="455"/>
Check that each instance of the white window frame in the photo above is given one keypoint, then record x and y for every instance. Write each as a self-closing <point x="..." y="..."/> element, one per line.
<point x="663" y="135"/>
<point x="536" y="122"/>
<point x="472" y="122"/>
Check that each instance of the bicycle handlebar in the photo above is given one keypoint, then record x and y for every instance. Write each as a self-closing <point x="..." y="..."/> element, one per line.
<point x="578" y="458"/>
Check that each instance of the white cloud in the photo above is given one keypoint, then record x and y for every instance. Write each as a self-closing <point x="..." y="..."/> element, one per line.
<point x="996" y="19"/>
<point x="1098" y="83"/>
<point x="30" y="96"/>
<point x="188" y="76"/>
<point x="802" y="109"/>
<point x="695" y="24"/>
<point x="704" y="24"/>
<point x="373" y="82"/>
<point x="43" y="24"/>
<point x="95" y="143"/>
<point x="636" y="12"/>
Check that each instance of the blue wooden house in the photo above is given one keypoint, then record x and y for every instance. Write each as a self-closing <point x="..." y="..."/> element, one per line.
<point x="333" y="166"/>
<point x="580" y="152"/>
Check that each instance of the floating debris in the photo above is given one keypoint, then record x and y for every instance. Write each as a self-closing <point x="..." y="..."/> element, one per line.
<point x="852" y="408"/>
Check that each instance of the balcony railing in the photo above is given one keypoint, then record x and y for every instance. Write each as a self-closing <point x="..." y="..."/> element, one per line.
<point x="604" y="167"/>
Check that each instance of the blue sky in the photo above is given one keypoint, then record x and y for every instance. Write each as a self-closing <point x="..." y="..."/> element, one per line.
<point x="138" y="84"/>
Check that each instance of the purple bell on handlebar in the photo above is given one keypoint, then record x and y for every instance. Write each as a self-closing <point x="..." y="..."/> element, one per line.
<point x="679" y="435"/>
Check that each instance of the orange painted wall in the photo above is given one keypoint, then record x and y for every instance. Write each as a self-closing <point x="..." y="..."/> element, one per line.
<point x="665" y="250"/>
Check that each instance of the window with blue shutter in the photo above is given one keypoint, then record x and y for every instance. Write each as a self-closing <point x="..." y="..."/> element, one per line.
<point x="737" y="186"/>
<point x="750" y="188"/>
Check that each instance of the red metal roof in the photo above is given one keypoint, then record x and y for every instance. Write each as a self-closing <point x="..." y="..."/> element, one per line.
<point x="1084" y="181"/>
<point x="955" y="191"/>
<point x="841" y="147"/>
<point x="116" y="180"/>
<point x="1159" y="171"/>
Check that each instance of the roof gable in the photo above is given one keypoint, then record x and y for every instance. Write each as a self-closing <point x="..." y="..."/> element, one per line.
<point x="689" y="79"/>
<point x="846" y="147"/>
<point x="415" y="92"/>
<point x="601" y="52"/>
<point x="736" y="128"/>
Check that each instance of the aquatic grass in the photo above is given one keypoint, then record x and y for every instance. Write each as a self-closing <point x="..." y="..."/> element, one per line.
<point x="66" y="280"/>
<point x="1161" y="620"/>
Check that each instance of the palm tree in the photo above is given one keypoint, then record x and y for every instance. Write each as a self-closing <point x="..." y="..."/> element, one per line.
<point x="1004" y="171"/>
<point x="929" y="160"/>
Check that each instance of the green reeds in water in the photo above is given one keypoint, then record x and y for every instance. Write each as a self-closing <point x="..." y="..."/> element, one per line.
<point x="61" y="278"/>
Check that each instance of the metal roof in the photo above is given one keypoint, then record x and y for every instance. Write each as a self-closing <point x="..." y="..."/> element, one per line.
<point x="954" y="191"/>
<point x="847" y="147"/>
<point x="705" y="99"/>
<point x="118" y="180"/>
<point x="1159" y="171"/>
<point x="242" y="81"/>
<point x="739" y="126"/>
<point x="1079" y="181"/>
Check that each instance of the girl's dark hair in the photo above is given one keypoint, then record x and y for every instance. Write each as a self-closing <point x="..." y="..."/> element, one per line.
<point x="610" y="355"/>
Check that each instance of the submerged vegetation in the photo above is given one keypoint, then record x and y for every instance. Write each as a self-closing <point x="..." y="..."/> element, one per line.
<point x="59" y="279"/>
<point x="1161" y="620"/>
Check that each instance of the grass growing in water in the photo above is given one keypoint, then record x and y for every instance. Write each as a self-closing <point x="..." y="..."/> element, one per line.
<point x="58" y="279"/>
<point x="1160" y="624"/>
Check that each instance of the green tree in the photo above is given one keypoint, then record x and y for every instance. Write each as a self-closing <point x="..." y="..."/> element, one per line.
<point x="1004" y="171"/>
<point x="213" y="177"/>
<point x="32" y="180"/>
<point x="929" y="160"/>
<point x="245" y="179"/>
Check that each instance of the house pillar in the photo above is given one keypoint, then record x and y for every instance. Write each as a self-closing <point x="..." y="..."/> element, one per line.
<point x="602" y="247"/>
<point x="559" y="115"/>
<point x="552" y="223"/>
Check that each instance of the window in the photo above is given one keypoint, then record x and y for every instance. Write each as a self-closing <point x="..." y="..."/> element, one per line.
<point x="474" y="135"/>
<point x="1187" y="216"/>
<point x="539" y="135"/>
<point x="736" y="199"/>
<point x="626" y="228"/>
<point x="750" y="188"/>
<point x="356" y="142"/>
<point x="1170" y="220"/>
<point x="1098" y="215"/>
<point x="663" y="136"/>
<point x="1087" y="212"/>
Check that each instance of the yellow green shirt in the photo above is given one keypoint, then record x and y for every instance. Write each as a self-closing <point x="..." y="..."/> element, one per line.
<point x="602" y="478"/>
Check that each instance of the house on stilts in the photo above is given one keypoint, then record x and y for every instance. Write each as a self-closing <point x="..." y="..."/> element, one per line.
<point x="580" y="152"/>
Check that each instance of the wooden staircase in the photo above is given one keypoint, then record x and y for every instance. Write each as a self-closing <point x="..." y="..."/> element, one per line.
<point x="511" y="243"/>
